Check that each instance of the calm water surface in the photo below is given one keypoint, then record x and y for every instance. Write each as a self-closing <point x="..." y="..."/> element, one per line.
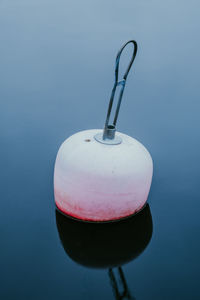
<point x="56" y="74"/>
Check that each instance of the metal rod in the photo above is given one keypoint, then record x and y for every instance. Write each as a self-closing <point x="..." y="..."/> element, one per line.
<point x="116" y="84"/>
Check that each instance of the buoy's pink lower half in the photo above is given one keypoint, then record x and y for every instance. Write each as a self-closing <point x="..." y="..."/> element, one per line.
<point x="99" y="207"/>
<point x="81" y="213"/>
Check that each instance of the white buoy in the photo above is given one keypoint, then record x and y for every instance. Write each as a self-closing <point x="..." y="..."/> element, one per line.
<point x="103" y="175"/>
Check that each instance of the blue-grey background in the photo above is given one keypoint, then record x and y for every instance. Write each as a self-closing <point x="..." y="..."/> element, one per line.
<point x="56" y="74"/>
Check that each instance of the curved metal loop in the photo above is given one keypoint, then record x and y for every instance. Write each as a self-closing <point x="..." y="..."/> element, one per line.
<point x="106" y="133"/>
<point x="131" y="61"/>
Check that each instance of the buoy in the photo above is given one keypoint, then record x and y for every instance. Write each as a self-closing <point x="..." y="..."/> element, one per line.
<point x="103" y="175"/>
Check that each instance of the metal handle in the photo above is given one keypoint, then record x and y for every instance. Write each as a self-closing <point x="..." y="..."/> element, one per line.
<point x="109" y="130"/>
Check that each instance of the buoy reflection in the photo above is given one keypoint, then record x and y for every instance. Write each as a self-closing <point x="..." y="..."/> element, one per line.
<point x="106" y="245"/>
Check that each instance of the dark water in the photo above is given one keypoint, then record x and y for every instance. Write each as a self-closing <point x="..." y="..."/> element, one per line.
<point x="56" y="74"/>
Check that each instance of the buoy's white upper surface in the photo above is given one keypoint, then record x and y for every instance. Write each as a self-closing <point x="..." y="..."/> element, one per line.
<point x="99" y="182"/>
